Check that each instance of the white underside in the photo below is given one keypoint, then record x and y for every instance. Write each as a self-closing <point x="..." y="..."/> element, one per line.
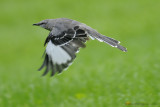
<point x="57" y="54"/>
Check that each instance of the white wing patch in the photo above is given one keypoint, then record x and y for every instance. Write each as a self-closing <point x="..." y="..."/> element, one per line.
<point x="57" y="54"/>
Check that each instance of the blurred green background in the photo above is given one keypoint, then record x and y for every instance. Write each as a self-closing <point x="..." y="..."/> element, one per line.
<point x="101" y="76"/>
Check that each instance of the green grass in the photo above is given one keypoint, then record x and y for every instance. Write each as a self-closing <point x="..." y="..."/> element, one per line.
<point x="101" y="76"/>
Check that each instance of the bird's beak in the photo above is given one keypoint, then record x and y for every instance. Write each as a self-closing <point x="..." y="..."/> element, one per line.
<point x="36" y="24"/>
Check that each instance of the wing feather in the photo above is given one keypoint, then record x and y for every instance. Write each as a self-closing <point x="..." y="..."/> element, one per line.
<point x="61" y="50"/>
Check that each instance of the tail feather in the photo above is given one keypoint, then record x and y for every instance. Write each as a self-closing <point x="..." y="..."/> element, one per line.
<point x="114" y="43"/>
<point x="121" y="48"/>
<point x="113" y="40"/>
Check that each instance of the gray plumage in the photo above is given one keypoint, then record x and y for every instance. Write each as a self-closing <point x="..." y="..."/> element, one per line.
<point x="66" y="37"/>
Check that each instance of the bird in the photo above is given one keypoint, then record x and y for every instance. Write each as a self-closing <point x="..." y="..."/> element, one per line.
<point x="64" y="40"/>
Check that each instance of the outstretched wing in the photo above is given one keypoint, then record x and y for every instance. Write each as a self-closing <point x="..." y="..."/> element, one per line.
<point x="62" y="48"/>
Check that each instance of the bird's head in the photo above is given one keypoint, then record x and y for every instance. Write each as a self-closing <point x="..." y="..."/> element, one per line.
<point x="46" y="24"/>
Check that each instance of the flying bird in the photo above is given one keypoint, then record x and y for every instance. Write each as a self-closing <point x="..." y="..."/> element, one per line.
<point x="64" y="40"/>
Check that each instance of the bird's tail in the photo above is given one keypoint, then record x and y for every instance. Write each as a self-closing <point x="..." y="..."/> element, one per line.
<point x="112" y="42"/>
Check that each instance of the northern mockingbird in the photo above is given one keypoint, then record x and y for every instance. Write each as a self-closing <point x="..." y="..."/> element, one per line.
<point x="64" y="40"/>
